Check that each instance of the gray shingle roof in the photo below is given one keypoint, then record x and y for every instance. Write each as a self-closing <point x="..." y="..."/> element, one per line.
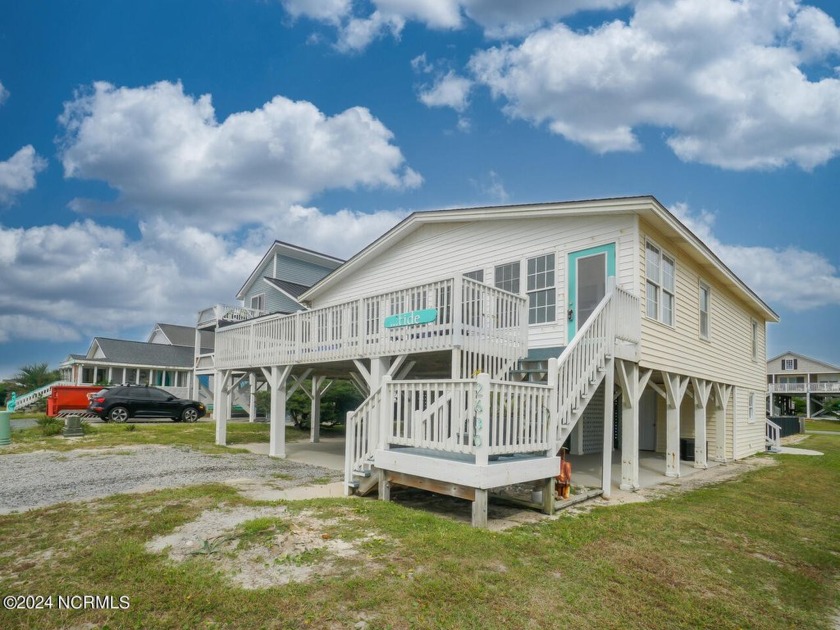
<point x="143" y="353"/>
<point x="292" y="288"/>
<point x="179" y="335"/>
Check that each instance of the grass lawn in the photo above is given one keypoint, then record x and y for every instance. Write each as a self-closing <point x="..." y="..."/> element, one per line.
<point x="762" y="551"/>
<point x="822" y="425"/>
<point x="198" y="435"/>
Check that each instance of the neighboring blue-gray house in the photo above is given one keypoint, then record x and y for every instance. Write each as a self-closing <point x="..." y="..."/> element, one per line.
<point x="285" y="272"/>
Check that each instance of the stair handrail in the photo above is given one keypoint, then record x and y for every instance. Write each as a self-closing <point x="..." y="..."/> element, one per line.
<point x="359" y="447"/>
<point x="579" y="361"/>
<point x="30" y="397"/>
<point x="773" y="433"/>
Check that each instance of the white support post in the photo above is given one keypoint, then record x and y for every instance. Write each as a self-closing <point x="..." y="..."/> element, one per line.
<point x="632" y="385"/>
<point x="380" y="431"/>
<point x="553" y="416"/>
<point x="252" y="399"/>
<point x="315" y="409"/>
<point x="277" y="428"/>
<point x="675" y="386"/>
<point x="609" y="399"/>
<point x="722" y="394"/>
<point x="702" y="389"/>
<point x="220" y="406"/>
<point x="482" y="421"/>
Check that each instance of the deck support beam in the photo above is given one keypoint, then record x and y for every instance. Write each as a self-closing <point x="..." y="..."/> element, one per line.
<point x="675" y="386"/>
<point x="221" y="404"/>
<point x="320" y="385"/>
<point x="277" y="378"/>
<point x="609" y="398"/>
<point x="632" y="383"/>
<point x="252" y="398"/>
<point x="702" y="389"/>
<point x="479" y="508"/>
<point x="722" y="395"/>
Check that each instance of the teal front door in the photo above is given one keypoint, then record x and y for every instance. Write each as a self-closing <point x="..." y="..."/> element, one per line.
<point x="588" y="271"/>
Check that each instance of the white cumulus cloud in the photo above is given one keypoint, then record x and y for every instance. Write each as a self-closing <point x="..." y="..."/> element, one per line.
<point x="17" y="174"/>
<point x="450" y="90"/>
<point x="723" y="78"/>
<point x="166" y="154"/>
<point x="799" y="279"/>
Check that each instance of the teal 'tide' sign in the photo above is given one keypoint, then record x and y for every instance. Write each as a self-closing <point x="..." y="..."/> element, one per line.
<point x="412" y="318"/>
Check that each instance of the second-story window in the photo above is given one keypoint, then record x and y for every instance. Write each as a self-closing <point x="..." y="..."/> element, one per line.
<point x="258" y="302"/>
<point x="477" y="275"/>
<point x="660" y="271"/>
<point x="541" y="293"/>
<point x="788" y="364"/>
<point x="754" y="343"/>
<point x="705" y="311"/>
<point x="506" y="277"/>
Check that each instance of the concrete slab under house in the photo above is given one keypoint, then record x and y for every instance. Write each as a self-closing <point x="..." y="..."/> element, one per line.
<point x="487" y="339"/>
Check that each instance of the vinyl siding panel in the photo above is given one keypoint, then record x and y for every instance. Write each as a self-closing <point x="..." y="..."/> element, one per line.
<point x="436" y="251"/>
<point x="297" y="271"/>
<point x="283" y="268"/>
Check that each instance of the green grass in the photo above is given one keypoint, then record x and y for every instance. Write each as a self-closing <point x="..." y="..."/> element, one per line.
<point x="822" y="425"/>
<point x="199" y="435"/>
<point x="762" y="551"/>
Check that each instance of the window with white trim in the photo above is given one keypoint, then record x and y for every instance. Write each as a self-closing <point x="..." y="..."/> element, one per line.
<point x="754" y="340"/>
<point x="705" y="311"/>
<point x="751" y="415"/>
<point x="258" y="302"/>
<point x="789" y="364"/>
<point x="660" y="272"/>
<point x="540" y="289"/>
<point x="477" y="275"/>
<point x="506" y="277"/>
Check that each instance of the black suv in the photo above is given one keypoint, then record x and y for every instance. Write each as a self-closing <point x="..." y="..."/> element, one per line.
<point x="133" y="401"/>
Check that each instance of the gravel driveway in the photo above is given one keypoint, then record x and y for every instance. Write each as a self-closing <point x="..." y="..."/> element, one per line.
<point x="42" y="478"/>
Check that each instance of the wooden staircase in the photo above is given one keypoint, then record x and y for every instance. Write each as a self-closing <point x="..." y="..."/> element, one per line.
<point x="567" y="376"/>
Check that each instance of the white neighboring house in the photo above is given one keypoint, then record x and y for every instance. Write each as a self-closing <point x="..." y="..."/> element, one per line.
<point x="487" y="338"/>
<point x="791" y="375"/>
<point x="165" y="359"/>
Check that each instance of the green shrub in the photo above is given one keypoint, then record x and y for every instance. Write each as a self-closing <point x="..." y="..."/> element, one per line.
<point x="50" y="426"/>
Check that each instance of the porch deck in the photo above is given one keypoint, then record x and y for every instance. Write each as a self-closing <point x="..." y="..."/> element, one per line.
<point x="464" y="313"/>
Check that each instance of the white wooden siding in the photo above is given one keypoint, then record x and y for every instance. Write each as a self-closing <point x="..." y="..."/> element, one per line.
<point x="803" y="366"/>
<point x="727" y="358"/>
<point x="438" y="250"/>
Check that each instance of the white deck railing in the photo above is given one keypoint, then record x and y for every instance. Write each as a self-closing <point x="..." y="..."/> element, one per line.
<point x="30" y="398"/>
<point x="469" y="314"/>
<point x="801" y="388"/>
<point x="226" y="313"/>
<point x="773" y="434"/>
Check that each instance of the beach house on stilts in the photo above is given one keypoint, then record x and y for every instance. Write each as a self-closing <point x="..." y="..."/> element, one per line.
<point x="485" y="339"/>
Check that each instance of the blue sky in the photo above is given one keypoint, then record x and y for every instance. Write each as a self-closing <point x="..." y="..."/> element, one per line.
<point x="150" y="151"/>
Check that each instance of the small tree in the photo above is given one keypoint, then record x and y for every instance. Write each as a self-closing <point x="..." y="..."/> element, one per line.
<point x="35" y="375"/>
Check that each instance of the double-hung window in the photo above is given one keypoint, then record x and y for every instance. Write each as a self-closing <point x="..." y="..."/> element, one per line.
<point x="789" y="364"/>
<point x="506" y="277"/>
<point x="705" y="311"/>
<point x="540" y="289"/>
<point x="660" y="271"/>
<point x="258" y="302"/>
